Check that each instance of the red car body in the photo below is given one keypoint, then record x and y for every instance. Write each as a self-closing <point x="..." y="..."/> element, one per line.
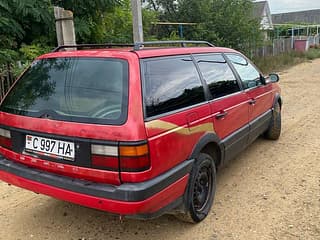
<point x="164" y="145"/>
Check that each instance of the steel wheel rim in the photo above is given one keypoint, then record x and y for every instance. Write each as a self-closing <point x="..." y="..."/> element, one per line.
<point x="202" y="188"/>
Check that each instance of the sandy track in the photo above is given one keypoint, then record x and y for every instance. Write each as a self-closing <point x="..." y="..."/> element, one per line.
<point x="271" y="191"/>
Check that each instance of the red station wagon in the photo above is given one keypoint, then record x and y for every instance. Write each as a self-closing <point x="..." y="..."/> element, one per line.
<point x="134" y="130"/>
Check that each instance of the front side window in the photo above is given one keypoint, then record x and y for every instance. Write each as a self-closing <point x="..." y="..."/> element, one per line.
<point x="87" y="90"/>
<point x="217" y="74"/>
<point x="171" y="84"/>
<point x="249" y="75"/>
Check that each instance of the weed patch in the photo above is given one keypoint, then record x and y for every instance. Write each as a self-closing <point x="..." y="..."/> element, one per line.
<point x="284" y="61"/>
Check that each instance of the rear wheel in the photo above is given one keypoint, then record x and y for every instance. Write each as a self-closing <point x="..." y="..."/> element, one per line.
<point x="274" y="130"/>
<point x="201" y="190"/>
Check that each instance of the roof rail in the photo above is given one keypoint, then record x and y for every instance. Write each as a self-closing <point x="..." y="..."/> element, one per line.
<point x="91" y="46"/>
<point x="140" y="45"/>
<point x="136" y="47"/>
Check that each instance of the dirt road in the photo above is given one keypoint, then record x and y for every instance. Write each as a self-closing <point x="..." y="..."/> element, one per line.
<point x="270" y="191"/>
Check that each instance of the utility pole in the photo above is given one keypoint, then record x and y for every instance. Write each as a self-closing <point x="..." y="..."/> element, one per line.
<point x="137" y="21"/>
<point x="64" y="27"/>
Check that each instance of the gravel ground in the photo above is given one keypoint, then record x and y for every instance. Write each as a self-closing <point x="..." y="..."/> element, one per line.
<point x="270" y="191"/>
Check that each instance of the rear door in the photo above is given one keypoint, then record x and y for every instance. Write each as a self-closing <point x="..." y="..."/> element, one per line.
<point x="176" y="111"/>
<point x="229" y="104"/>
<point x="260" y="95"/>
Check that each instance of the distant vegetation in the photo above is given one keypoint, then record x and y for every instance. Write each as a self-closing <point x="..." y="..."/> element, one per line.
<point x="283" y="61"/>
<point x="27" y="28"/>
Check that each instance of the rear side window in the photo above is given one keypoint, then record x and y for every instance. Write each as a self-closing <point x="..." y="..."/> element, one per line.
<point x="87" y="90"/>
<point x="171" y="84"/>
<point x="217" y="74"/>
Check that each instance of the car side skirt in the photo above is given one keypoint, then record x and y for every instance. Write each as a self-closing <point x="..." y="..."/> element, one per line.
<point x="240" y="139"/>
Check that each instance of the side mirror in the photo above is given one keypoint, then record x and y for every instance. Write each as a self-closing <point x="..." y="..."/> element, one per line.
<point x="274" y="77"/>
<point x="263" y="80"/>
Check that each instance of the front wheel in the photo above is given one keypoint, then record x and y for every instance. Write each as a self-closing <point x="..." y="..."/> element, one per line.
<point x="201" y="190"/>
<point x="274" y="130"/>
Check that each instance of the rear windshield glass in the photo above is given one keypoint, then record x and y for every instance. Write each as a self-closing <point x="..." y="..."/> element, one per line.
<point x="87" y="90"/>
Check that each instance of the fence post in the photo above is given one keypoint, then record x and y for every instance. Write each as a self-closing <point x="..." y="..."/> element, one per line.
<point x="292" y="40"/>
<point x="2" y="87"/>
<point x="10" y="75"/>
<point x="6" y="79"/>
<point x="273" y="48"/>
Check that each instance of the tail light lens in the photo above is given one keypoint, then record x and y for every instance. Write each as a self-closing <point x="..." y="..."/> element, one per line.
<point x="105" y="157"/>
<point x="125" y="158"/>
<point x="134" y="158"/>
<point x="134" y="164"/>
<point x="5" y="138"/>
<point x="106" y="162"/>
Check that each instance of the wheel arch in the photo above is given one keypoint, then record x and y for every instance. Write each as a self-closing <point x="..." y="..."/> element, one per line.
<point x="277" y="99"/>
<point x="208" y="144"/>
<point x="211" y="145"/>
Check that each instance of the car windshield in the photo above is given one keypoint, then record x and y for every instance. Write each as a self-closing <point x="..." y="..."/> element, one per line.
<point x="87" y="90"/>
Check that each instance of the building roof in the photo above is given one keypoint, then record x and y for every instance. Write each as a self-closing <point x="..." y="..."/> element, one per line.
<point x="261" y="11"/>
<point x="258" y="8"/>
<point x="310" y="17"/>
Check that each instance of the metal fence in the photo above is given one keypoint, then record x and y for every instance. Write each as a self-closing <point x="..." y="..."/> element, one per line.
<point x="283" y="45"/>
<point x="314" y="40"/>
<point x="278" y="46"/>
<point x="6" y="80"/>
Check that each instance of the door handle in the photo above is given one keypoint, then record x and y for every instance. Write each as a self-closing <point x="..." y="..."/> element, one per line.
<point x="221" y="115"/>
<point x="252" y="101"/>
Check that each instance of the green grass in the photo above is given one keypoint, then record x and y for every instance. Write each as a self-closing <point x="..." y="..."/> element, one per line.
<point x="284" y="61"/>
<point x="313" y="54"/>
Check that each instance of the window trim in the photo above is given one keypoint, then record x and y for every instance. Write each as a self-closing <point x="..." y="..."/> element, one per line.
<point x="143" y="87"/>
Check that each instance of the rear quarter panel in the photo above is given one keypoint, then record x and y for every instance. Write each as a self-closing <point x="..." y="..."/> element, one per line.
<point x="172" y="138"/>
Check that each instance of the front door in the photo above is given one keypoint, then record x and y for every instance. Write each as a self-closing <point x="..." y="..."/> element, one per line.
<point x="260" y="96"/>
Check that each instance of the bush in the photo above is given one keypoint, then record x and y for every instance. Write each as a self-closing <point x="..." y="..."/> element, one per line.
<point x="283" y="61"/>
<point x="313" y="54"/>
<point x="27" y="53"/>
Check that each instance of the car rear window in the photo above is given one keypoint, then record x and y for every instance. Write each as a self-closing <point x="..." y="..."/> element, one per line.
<point x="86" y="90"/>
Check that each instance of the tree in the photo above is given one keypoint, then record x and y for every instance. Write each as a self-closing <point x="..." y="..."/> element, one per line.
<point x="235" y="25"/>
<point x="168" y="9"/>
<point x="89" y="17"/>
<point x="228" y="23"/>
<point x="27" y="27"/>
<point x="118" y="24"/>
<point x="23" y="21"/>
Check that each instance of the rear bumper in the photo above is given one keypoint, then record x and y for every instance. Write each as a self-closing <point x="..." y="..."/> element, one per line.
<point x="145" y="198"/>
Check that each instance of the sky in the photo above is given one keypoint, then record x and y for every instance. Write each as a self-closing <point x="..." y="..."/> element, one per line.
<point x="280" y="6"/>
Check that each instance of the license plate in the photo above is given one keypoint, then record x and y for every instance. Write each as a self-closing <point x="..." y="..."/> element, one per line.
<point x="50" y="147"/>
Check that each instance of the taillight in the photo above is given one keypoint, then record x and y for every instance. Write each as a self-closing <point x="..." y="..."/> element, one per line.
<point x="126" y="158"/>
<point x="5" y="138"/>
<point x="105" y="157"/>
<point x="134" y="158"/>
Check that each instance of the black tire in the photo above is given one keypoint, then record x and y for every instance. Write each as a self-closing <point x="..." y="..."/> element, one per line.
<point x="200" y="191"/>
<point x="274" y="130"/>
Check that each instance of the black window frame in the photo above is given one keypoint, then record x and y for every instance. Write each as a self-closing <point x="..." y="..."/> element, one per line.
<point x="143" y="86"/>
<point x="84" y="120"/>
